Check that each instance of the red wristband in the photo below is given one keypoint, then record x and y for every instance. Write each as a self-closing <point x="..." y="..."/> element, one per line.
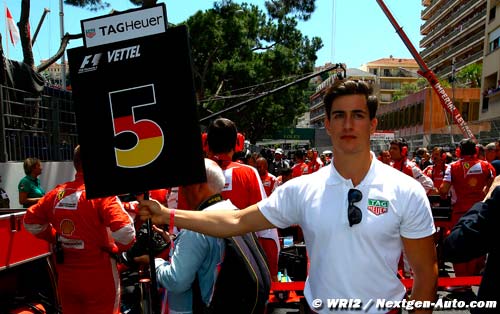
<point x="171" y="220"/>
<point x="171" y="229"/>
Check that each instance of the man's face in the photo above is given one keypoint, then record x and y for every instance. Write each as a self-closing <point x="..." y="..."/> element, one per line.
<point x="349" y="124"/>
<point x="386" y="157"/>
<point x="277" y="156"/>
<point x="490" y="154"/>
<point x="436" y="157"/>
<point x="395" y="152"/>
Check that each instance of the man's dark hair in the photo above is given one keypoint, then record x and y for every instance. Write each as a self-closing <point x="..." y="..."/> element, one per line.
<point x="349" y="87"/>
<point x="221" y="136"/>
<point x="401" y="142"/>
<point x="299" y="154"/>
<point x="467" y="147"/>
<point x="285" y="171"/>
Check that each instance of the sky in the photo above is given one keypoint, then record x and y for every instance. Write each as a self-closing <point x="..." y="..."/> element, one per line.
<point x="353" y="31"/>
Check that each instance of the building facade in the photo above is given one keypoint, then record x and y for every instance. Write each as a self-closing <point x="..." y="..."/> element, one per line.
<point x="53" y="74"/>
<point x="453" y="34"/>
<point x="421" y="119"/>
<point x="391" y="73"/>
<point x="490" y="101"/>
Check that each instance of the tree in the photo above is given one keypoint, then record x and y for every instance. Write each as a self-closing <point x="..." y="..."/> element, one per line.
<point x="238" y="52"/>
<point x="470" y="75"/>
<point x="406" y="89"/>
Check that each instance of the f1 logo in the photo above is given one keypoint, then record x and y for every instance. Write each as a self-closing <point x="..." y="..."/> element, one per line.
<point x="92" y="59"/>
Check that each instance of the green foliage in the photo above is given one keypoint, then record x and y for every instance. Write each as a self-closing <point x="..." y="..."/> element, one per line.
<point x="239" y="52"/>
<point x="470" y="75"/>
<point x="93" y="5"/>
<point x="408" y="89"/>
<point x="280" y="8"/>
<point x="411" y="88"/>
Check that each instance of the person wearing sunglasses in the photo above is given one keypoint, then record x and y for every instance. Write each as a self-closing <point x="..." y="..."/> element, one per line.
<point x="356" y="214"/>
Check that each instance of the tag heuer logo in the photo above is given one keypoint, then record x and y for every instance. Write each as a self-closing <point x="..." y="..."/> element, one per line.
<point x="90" y="32"/>
<point x="378" y="207"/>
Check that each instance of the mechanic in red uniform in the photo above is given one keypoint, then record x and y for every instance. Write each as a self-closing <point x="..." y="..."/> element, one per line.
<point x="314" y="161"/>
<point x="299" y="167"/>
<point x="87" y="234"/>
<point x="243" y="184"/>
<point x="437" y="169"/>
<point x="399" y="155"/>
<point x="471" y="178"/>
<point x="268" y="179"/>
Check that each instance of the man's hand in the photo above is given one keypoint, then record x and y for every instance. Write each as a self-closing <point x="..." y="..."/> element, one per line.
<point x="158" y="213"/>
<point x="164" y="234"/>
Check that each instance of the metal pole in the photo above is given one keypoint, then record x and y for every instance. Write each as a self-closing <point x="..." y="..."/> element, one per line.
<point x="63" y="59"/>
<point x="45" y="11"/>
<point x="3" y="148"/>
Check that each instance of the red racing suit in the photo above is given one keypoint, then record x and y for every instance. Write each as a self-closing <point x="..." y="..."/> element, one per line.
<point x="436" y="173"/>
<point x="410" y="168"/>
<point x="299" y="169"/>
<point x="468" y="176"/>
<point x="89" y="232"/>
<point x="270" y="182"/>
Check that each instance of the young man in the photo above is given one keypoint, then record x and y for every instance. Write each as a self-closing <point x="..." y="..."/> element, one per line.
<point x="356" y="214"/>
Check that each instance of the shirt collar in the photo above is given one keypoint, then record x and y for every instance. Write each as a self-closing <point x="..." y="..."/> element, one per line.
<point x="371" y="177"/>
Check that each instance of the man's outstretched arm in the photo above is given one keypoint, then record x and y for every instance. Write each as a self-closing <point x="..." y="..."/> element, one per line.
<point x="217" y="223"/>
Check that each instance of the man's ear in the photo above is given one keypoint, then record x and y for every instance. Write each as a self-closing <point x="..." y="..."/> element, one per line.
<point x="373" y="125"/>
<point x="327" y="125"/>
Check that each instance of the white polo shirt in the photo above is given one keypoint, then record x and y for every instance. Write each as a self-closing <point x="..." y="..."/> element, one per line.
<point x="358" y="262"/>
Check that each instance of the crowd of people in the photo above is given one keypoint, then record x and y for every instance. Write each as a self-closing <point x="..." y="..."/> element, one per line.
<point x="363" y="216"/>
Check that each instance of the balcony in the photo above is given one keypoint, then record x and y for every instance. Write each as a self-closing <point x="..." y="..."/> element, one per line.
<point x="436" y="43"/>
<point x="431" y="6"/>
<point x="453" y="51"/>
<point x="469" y="60"/>
<point x="454" y="16"/>
<point x="440" y="13"/>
